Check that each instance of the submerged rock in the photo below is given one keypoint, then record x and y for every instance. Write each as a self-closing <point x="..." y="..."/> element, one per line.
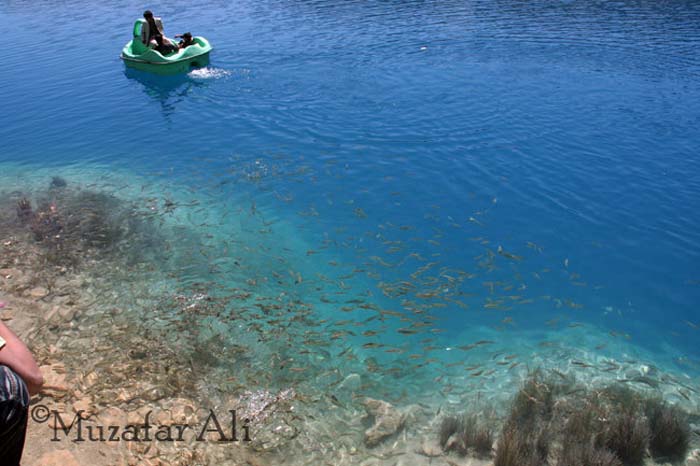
<point x="57" y="182"/>
<point x="58" y="458"/>
<point x="694" y="458"/>
<point x="38" y="292"/>
<point x="387" y="421"/>
<point x="54" y="380"/>
<point x="429" y="448"/>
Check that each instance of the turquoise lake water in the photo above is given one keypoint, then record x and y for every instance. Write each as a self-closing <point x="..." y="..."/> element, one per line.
<point x="518" y="172"/>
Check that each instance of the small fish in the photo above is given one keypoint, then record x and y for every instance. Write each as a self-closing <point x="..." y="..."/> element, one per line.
<point x="642" y="379"/>
<point x="372" y="345"/>
<point x="508" y="255"/>
<point x="691" y="325"/>
<point x="683" y="394"/>
<point x="532" y="245"/>
<point x="466" y="347"/>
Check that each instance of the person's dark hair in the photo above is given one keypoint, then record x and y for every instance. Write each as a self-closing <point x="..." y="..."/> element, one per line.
<point x="147" y="14"/>
<point x="187" y="36"/>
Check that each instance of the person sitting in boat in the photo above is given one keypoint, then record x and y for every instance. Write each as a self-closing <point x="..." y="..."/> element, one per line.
<point x="155" y="36"/>
<point x="186" y="41"/>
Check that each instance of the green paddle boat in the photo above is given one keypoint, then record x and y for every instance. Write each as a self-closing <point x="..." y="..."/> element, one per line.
<point x="136" y="54"/>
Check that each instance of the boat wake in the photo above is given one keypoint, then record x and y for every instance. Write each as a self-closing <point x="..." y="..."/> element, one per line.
<point x="209" y="73"/>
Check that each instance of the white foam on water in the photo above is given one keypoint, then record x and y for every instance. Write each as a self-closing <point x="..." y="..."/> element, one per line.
<point x="209" y="73"/>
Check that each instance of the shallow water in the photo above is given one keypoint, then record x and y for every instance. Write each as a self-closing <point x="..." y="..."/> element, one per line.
<point x="513" y="172"/>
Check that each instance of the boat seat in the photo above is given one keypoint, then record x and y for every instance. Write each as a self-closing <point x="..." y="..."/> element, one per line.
<point x="140" y="33"/>
<point x="142" y="29"/>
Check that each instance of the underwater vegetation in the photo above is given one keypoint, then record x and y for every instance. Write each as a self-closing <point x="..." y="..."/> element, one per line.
<point x="587" y="455"/>
<point x="583" y="426"/>
<point x="522" y="447"/>
<point x="24" y="210"/>
<point x="670" y="430"/>
<point x="626" y="434"/>
<point x="449" y="426"/>
<point x="464" y="434"/>
<point x="72" y="224"/>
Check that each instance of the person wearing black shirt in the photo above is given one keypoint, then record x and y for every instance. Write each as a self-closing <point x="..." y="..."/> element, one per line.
<point x="155" y="32"/>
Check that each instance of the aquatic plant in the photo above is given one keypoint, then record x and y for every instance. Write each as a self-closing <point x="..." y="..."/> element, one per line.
<point x="527" y="434"/>
<point x="586" y="454"/>
<point x="622" y="398"/>
<point x="518" y="446"/>
<point x="46" y="224"/>
<point x="510" y="447"/>
<point x="479" y="438"/>
<point x="625" y="433"/>
<point x="670" y="430"/>
<point x="73" y="226"/>
<point x="534" y="402"/>
<point x="450" y="425"/>
<point x="96" y="219"/>
<point x="580" y="426"/>
<point x="24" y="210"/>
<point x="468" y="433"/>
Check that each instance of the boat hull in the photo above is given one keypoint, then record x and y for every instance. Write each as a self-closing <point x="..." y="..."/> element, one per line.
<point x="167" y="68"/>
<point x="136" y="56"/>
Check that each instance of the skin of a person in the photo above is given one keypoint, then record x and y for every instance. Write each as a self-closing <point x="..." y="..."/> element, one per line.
<point x="17" y="357"/>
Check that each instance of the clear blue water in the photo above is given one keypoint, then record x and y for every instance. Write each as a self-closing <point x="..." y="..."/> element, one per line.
<point x="565" y="133"/>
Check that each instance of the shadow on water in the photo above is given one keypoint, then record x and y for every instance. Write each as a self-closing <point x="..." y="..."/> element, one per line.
<point x="168" y="91"/>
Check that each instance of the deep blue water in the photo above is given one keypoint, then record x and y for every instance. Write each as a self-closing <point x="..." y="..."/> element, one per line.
<point x="574" y="126"/>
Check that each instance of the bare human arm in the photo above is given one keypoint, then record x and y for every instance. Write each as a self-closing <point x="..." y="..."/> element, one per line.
<point x="17" y="357"/>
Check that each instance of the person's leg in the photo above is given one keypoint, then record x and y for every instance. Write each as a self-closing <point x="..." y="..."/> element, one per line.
<point x="13" y="429"/>
<point x="161" y="46"/>
<point x="14" y="402"/>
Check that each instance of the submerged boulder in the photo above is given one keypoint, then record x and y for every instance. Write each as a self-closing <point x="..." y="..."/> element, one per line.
<point x="387" y="421"/>
<point x="57" y="182"/>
